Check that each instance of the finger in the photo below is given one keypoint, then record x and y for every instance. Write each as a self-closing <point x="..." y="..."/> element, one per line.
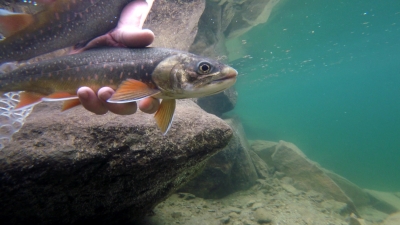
<point x="134" y="38"/>
<point x="129" y="30"/>
<point x="90" y="101"/>
<point x="149" y="105"/>
<point x="118" y="108"/>
<point x="134" y="14"/>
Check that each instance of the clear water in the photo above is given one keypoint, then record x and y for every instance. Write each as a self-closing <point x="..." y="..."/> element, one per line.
<point x="325" y="75"/>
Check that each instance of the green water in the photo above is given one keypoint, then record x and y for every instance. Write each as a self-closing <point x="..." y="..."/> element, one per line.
<point x="325" y="75"/>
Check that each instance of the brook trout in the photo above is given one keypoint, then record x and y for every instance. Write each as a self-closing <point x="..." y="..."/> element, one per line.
<point x="134" y="73"/>
<point x="61" y="24"/>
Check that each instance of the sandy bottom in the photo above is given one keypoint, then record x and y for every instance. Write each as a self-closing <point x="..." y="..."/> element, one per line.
<point x="268" y="202"/>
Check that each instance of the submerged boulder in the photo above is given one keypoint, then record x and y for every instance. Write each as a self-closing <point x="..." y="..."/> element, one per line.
<point x="290" y="161"/>
<point x="386" y="202"/>
<point x="175" y="23"/>
<point x="76" y="167"/>
<point x="230" y="170"/>
<point x="219" y="103"/>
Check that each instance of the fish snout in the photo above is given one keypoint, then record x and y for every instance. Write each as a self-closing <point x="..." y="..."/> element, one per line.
<point x="227" y="74"/>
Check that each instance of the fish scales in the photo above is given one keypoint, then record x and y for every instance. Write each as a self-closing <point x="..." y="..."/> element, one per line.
<point x="65" y="24"/>
<point x="95" y="68"/>
<point x="135" y="74"/>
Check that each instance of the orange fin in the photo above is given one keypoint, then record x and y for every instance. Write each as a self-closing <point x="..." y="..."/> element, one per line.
<point x="70" y="104"/>
<point x="27" y="99"/>
<point x="132" y="90"/>
<point x="59" y="96"/>
<point x="165" y="114"/>
<point x="11" y="23"/>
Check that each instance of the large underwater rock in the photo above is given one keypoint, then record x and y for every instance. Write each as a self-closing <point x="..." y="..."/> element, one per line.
<point x="219" y="103"/>
<point x="230" y="170"/>
<point x="228" y="19"/>
<point x="76" y="167"/>
<point x="175" y="23"/>
<point x="289" y="161"/>
<point x="386" y="202"/>
<point x="393" y="219"/>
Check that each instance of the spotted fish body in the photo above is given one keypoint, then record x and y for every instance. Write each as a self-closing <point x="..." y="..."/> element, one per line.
<point x="62" y="24"/>
<point x="134" y="74"/>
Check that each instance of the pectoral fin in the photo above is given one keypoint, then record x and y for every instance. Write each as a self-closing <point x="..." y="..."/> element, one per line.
<point x="70" y="100"/>
<point x="11" y="23"/>
<point x="30" y="98"/>
<point x="132" y="90"/>
<point x="59" y="96"/>
<point x="165" y="114"/>
<point x="27" y="99"/>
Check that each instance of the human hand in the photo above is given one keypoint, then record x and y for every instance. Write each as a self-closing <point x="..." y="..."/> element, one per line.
<point x="128" y="33"/>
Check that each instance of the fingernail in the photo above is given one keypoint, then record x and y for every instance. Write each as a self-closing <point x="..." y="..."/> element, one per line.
<point x="83" y="95"/>
<point x="105" y="95"/>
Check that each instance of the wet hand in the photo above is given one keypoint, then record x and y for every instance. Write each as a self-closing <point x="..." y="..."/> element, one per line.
<point x="128" y="33"/>
<point x="98" y="103"/>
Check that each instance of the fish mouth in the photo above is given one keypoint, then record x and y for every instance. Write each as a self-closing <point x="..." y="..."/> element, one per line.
<point x="229" y="74"/>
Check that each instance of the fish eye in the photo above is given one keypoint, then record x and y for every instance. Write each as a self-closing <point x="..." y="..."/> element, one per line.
<point x="204" y="67"/>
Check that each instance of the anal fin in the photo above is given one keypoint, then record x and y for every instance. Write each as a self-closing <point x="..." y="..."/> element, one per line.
<point x="27" y="99"/>
<point x="165" y="114"/>
<point x="132" y="90"/>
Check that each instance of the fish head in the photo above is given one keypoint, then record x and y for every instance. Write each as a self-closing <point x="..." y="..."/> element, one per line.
<point x="191" y="76"/>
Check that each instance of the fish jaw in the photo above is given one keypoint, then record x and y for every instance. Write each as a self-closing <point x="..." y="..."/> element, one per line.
<point x="190" y="76"/>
